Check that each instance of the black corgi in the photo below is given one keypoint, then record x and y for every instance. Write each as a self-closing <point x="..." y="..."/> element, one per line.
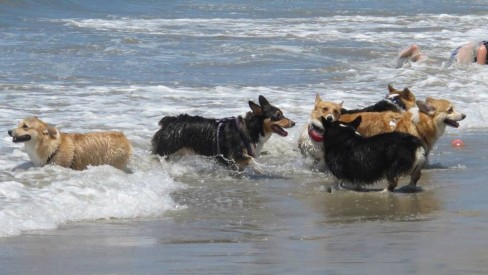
<point x="395" y="101"/>
<point x="235" y="141"/>
<point x="366" y="160"/>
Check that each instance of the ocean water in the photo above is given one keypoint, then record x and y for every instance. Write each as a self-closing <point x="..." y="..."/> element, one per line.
<point x="122" y="65"/>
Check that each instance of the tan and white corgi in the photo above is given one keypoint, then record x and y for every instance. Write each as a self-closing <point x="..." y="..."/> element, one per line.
<point x="47" y="145"/>
<point x="310" y="141"/>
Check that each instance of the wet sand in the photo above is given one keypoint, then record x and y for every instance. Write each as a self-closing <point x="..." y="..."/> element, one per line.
<point x="286" y="224"/>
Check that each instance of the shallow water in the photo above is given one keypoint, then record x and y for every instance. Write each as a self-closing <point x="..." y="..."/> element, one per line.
<point x="86" y="66"/>
<point x="285" y="223"/>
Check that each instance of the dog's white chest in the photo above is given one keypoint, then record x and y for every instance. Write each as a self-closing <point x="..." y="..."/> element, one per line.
<point x="260" y="143"/>
<point x="31" y="151"/>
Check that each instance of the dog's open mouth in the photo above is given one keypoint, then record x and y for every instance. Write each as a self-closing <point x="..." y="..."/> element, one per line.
<point x="316" y="133"/>
<point x="451" y="123"/>
<point x="280" y="131"/>
<point x="21" y="138"/>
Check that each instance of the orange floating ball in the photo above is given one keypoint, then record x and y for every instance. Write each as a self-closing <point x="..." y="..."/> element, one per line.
<point x="457" y="143"/>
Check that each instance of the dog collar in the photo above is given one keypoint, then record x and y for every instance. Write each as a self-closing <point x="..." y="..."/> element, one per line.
<point x="397" y="101"/>
<point x="314" y="135"/>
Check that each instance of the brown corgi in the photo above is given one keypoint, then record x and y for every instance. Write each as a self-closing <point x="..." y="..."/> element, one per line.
<point x="374" y="123"/>
<point x="434" y="116"/>
<point x="47" y="145"/>
<point x="310" y="141"/>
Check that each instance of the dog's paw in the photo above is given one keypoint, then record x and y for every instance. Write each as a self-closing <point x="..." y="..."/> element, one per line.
<point x="257" y="167"/>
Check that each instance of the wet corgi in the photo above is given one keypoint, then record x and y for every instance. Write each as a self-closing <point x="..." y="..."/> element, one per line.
<point x="310" y="141"/>
<point x="235" y="141"/>
<point x="47" y="145"/>
<point x="366" y="160"/>
<point x="435" y="116"/>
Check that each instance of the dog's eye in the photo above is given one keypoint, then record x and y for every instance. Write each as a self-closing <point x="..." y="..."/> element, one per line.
<point x="450" y="110"/>
<point x="277" y="116"/>
<point x="24" y="126"/>
<point x="325" y="109"/>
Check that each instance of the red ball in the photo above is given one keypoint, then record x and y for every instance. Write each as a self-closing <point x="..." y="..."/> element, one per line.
<point x="457" y="143"/>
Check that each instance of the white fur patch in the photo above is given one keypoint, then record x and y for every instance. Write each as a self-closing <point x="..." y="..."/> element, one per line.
<point x="30" y="148"/>
<point x="260" y="143"/>
<point x="415" y="114"/>
<point x="393" y="124"/>
<point x="420" y="156"/>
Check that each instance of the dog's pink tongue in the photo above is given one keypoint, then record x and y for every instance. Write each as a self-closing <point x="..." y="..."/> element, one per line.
<point x="280" y="131"/>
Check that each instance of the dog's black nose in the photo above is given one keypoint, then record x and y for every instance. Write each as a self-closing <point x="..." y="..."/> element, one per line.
<point x="463" y="116"/>
<point x="292" y="123"/>
<point x="10" y="132"/>
<point x="330" y="119"/>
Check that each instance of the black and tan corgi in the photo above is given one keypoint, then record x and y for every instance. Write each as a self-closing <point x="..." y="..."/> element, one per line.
<point x="395" y="101"/>
<point x="361" y="160"/>
<point x="236" y="141"/>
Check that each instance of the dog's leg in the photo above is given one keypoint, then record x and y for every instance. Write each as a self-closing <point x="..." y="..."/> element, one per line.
<point x="335" y="186"/>
<point x="414" y="177"/>
<point x="246" y="161"/>
<point x="392" y="183"/>
<point x="257" y="167"/>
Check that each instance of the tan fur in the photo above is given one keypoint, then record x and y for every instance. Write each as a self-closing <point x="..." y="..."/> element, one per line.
<point x="325" y="109"/>
<point x="374" y="123"/>
<point x="76" y="151"/>
<point x="321" y="109"/>
<point x="430" y="126"/>
<point x="283" y="123"/>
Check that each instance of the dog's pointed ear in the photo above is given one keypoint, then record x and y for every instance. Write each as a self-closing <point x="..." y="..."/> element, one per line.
<point x="426" y="108"/>
<point x="391" y="89"/>
<point x="355" y="123"/>
<point x="256" y="109"/>
<point x="340" y="103"/>
<point x="408" y="94"/>
<point x="263" y="101"/>
<point x="317" y="99"/>
<point x="50" y="131"/>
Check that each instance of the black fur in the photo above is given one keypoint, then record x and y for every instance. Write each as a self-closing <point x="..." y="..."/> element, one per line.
<point x="381" y="106"/>
<point x="231" y="139"/>
<point x="360" y="160"/>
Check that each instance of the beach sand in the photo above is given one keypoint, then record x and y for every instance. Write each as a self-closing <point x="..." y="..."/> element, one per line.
<point x="286" y="224"/>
